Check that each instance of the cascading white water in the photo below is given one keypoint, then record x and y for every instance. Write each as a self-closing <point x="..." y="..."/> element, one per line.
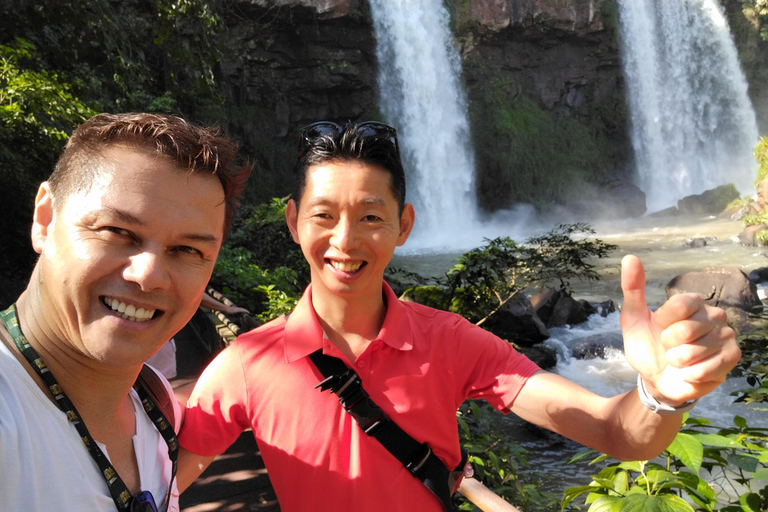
<point x="421" y="96"/>
<point x="693" y="126"/>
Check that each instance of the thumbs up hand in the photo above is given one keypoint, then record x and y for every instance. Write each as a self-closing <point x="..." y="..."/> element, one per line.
<point x="683" y="350"/>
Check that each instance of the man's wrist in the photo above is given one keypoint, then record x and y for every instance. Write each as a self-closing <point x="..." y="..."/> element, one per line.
<point x="656" y="406"/>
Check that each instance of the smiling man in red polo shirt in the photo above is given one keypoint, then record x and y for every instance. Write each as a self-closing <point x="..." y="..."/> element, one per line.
<point x="416" y="363"/>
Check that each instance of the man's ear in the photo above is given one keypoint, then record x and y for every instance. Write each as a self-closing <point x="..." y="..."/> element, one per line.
<point x="43" y="217"/>
<point x="292" y="219"/>
<point x="406" y="223"/>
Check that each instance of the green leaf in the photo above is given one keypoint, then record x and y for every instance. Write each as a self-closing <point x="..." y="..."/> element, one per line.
<point x="632" y="465"/>
<point x="641" y="503"/>
<point x="743" y="462"/>
<point x="716" y="440"/>
<point x="572" y="493"/>
<point x="751" y="502"/>
<point x="689" y="450"/>
<point x="580" y="455"/>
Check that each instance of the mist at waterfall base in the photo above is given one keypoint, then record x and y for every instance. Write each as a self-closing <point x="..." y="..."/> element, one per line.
<point x="693" y="127"/>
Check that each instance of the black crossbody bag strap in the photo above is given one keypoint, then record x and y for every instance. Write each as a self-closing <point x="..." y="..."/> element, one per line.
<point x="417" y="458"/>
<point x="159" y="393"/>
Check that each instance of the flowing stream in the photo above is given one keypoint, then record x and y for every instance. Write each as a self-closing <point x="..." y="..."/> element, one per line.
<point x="661" y="245"/>
<point x="693" y="126"/>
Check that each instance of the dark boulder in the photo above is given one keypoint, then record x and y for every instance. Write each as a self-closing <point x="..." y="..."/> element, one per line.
<point x="696" y="242"/>
<point x="711" y="202"/>
<point x="725" y="287"/>
<point x="568" y="311"/>
<point x="604" y="308"/>
<point x="544" y="303"/>
<point x="759" y="275"/>
<point x="541" y="354"/>
<point x="595" y="347"/>
<point x="518" y="322"/>
<point x="589" y="309"/>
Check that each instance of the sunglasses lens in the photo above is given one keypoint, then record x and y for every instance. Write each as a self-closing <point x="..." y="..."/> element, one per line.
<point x="374" y="129"/>
<point x="143" y="502"/>
<point x="320" y="129"/>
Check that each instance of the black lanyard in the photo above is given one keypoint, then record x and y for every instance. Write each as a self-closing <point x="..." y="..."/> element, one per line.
<point x="117" y="488"/>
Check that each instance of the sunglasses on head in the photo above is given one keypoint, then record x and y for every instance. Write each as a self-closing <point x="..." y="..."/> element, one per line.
<point x="143" y="502"/>
<point x="310" y="133"/>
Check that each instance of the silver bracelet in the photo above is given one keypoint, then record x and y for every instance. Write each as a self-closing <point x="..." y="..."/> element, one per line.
<point x="659" y="408"/>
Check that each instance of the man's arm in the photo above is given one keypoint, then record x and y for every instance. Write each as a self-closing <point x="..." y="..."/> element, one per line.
<point x="620" y="426"/>
<point x="682" y="351"/>
<point x="190" y="467"/>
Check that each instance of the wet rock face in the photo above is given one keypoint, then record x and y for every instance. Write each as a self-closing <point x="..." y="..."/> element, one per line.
<point x="291" y="62"/>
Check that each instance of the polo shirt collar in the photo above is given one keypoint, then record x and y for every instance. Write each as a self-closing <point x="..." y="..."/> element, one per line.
<point x="304" y="334"/>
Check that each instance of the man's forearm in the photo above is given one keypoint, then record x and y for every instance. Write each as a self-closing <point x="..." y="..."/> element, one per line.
<point x="620" y="426"/>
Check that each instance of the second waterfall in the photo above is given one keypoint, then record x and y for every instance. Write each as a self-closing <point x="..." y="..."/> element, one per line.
<point x="422" y="96"/>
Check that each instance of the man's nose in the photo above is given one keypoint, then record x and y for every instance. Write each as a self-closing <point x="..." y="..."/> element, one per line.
<point x="148" y="270"/>
<point x="344" y="234"/>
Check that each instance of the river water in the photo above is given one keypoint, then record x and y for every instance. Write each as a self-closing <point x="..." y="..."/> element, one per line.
<point x="660" y="243"/>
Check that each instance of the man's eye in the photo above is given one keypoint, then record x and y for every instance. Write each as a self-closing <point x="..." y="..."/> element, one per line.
<point x="371" y="218"/>
<point x="187" y="250"/>
<point x="118" y="231"/>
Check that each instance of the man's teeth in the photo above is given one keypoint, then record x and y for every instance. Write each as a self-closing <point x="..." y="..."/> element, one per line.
<point x="129" y="311"/>
<point x="346" y="267"/>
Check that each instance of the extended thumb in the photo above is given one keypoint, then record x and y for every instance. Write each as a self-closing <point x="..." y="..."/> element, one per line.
<point x="633" y="287"/>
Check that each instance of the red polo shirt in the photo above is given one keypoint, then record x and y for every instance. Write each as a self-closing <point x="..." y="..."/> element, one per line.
<point x="421" y="367"/>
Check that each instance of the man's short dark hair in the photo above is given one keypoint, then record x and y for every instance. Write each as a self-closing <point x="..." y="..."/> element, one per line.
<point x="351" y="145"/>
<point x="190" y="147"/>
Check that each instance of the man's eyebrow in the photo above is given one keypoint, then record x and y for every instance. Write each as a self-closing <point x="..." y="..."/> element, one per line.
<point x="374" y="200"/>
<point x="123" y="216"/>
<point x="200" y="237"/>
<point x="129" y="218"/>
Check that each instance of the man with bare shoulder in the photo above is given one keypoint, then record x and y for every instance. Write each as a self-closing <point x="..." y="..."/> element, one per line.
<point x="376" y="443"/>
<point x="128" y="228"/>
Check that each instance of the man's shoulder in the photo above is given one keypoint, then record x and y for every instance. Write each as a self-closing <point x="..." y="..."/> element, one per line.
<point x="427" y="312"/>
<point x="262" y="336"/>
<point x="272" y="328"/>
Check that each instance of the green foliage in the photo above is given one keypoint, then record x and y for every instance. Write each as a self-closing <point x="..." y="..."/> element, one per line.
<point x="486" y="278"/>
<point x="754" y="365"/>
<point x="735" y="459"/>
<point x="498" y="463"/>
<point x="756" y="12"/>
<point x="37" y="111"/>
<point x="610" y="13"/>
<point x="531" y="155"/>
<point x="761" y="237"/>
<point x="265" y="293"/>
<point x="761" y="155"/>
<point x="260" y="267"/>
<point x="261" y="229"/>
<point x="755" y="219"/>
<point x="38" y="102"/>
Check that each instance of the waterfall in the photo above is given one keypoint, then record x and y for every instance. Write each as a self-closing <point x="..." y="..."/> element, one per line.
<point x="693" y="126"/>
<point x="422" y="97"/>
